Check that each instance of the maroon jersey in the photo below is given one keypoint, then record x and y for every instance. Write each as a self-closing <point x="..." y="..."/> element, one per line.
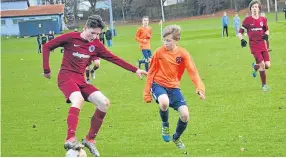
<point x="256" y="29"/>
<point x="78" y="52"/>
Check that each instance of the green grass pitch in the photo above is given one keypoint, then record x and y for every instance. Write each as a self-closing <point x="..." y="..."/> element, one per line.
<point x="235" y="115"/>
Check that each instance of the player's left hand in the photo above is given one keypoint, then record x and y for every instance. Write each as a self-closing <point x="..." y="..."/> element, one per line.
<point x="147" y="98"/>
<point x="243" y="43"/>
<point x="140" y="73"/>
<point x="47" y="75"/>
<point x="202" y="95"/>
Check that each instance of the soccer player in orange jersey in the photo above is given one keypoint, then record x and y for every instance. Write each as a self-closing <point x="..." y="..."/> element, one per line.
<point x="143" y="37"/>
<point x="163" y="81"/>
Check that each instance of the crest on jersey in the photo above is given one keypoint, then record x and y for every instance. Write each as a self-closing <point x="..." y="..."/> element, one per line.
<point x="261" y="23"/>
<point x="91" y="48"/>
<point x="179" y="60"/>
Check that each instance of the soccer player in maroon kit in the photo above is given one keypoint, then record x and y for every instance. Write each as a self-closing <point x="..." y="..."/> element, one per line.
<point x="79" y="48"/>
<point x="257" y="31"/>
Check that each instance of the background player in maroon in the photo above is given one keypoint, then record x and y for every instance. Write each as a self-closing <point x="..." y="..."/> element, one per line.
<point x="79" y="48"/>
<point x="257" y="31"/>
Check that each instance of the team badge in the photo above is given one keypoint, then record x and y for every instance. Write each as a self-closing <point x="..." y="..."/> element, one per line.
<point x="261" y="23"/>
<point x="179" y="60"/>
<point x="91" y="48"/>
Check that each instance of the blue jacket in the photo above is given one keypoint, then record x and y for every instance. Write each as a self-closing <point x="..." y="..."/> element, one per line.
<point x="236" y="21"/>
<point x="224" y="20"/>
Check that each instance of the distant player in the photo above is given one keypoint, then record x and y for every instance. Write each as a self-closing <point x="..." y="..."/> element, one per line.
<point x="101" y="37"/>
<point x="108" y="36"/>
<point x="163" y="81"/>
<point x="79" y="49"/>
<point x="236" y="23"/>
<point x="143" y="37"/>
<point x="39" y="43"/>
<point x="44" y="39"/>
<point x="257" y="31"/>
<point x="91" y="70"/>
<point x="50" y="35"/>
<point x="224" y="21"/>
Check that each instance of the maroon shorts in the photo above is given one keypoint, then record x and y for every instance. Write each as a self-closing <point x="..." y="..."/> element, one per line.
<point x="71" y="82"/>
<point x="261" y="56"/>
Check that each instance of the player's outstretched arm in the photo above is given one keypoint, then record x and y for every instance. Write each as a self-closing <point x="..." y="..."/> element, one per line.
<point x="47" y="47"/>
<point x="105" y="54"/>
<point x="194" y="75"/>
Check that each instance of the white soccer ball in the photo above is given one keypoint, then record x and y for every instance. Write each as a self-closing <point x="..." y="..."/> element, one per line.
<point x="76" y="153"/>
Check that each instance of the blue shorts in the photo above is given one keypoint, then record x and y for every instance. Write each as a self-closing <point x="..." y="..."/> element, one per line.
<point x="147" y="53"/>
<point x="175" y="95"/>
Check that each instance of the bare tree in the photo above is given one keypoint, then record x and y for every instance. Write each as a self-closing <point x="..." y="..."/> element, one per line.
<point x="71" y="7"/>
<point x="135" y="9"/>
<point x="120" y="7"/>
<point x="268" y="6"/>
<point x="92" y="6"/>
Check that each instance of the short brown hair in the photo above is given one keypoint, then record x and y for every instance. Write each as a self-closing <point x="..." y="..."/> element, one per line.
<point x="255" y="2"/>
<point x="174" y="30"/>
<point x="95" y="21"/>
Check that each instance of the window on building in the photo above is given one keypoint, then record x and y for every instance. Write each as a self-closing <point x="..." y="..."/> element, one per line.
<point x="3" y="22"/>
<point x="16" y="21"/>
<point x="54" y="18"/>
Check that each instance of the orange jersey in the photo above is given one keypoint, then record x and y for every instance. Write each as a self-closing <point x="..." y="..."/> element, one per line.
<point x="167" y="68"/>
<point x="143" y="36"/>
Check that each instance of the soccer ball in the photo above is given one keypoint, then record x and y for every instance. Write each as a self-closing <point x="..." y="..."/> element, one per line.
<point x="76" y="153"/>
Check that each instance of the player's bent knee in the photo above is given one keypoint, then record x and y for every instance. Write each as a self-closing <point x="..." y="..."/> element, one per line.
<point x="261" y="65"/>
<point x="184" y="113"/>
<point x="267" y="65"/>
<point x="185" y="117"/>
<point x="104" y="104"/>
<point x="98" y="99"/>
<point x="163" y="102"/>
<point x="164" y="107"/>
<point x="76" y="99"/>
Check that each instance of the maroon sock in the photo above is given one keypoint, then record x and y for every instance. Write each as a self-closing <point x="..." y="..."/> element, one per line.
<point x="95" y="124"/>
<point x="256" y="67"/>
<point x="263" y="77"/>
<point x="72" y="122"/>
<point x="87" y="73"/>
